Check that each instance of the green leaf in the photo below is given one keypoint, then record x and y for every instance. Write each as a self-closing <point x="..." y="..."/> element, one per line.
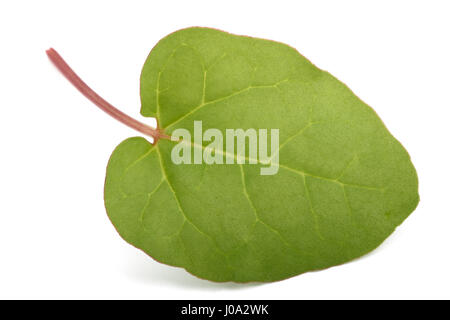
<point x="343" y="185"/>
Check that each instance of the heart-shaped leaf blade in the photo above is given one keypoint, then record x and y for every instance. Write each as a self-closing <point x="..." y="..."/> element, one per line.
<point x="342" y="184"/>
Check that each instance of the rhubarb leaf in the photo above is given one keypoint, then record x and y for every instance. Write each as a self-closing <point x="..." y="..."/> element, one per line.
<point x="343" y="185"/>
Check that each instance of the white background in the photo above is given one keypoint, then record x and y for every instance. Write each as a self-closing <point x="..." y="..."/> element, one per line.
<point x="55" y="238"/>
